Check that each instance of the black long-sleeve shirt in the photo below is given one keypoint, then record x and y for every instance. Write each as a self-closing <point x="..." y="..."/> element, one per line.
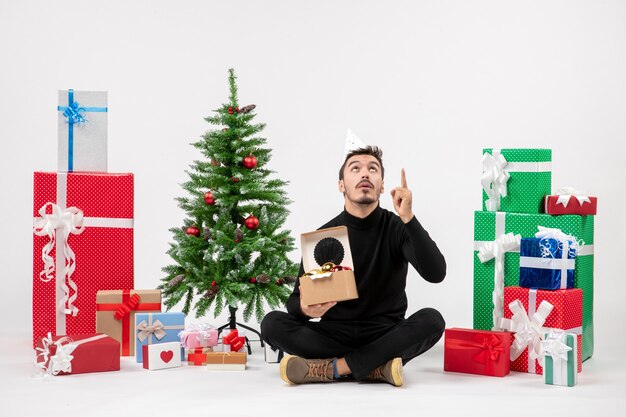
<point x="381" y="246"/>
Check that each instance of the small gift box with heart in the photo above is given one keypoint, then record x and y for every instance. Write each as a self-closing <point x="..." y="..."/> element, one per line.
<point x="479" y="352"/>
<point x="161" y="356"/>
<point x="77" y="354"/>
<point x="154" y="328"/>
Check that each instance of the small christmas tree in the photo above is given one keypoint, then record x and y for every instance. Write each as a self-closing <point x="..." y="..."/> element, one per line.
<point x="231" y="251"/>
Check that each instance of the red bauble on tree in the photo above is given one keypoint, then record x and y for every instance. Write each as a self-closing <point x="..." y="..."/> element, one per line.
<point x="250" y="161"/>
<point x="253" y="280"/>
<point x="252" y="222"/>
<point x="192" y="231"/>
<point x="209" y="198"/>
<point x="230" y="110"/>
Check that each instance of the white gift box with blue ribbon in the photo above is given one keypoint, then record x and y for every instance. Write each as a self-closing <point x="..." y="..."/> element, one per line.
<point x="547" y="261"/>
<point x="82" y="121"/>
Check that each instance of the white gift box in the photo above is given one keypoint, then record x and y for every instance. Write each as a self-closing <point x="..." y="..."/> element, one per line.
<point x="272" y="355"/>
<point x="82" y="127"/>
<point x="161" y="356"/>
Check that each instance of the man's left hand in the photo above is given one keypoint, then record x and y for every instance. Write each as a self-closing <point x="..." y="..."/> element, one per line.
<point x="403" y="199"/>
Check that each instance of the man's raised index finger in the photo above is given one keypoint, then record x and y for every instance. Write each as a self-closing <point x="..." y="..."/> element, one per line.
<point x="403" y="183"/>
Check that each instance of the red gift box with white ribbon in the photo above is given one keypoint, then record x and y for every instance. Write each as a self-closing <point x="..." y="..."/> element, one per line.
<point x="82" y="243"/>
<point x="570" y="201"/>
<point x="77" y="354"/>
<point x="530" y="313"/>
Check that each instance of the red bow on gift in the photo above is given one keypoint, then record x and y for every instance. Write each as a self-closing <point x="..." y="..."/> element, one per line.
<point x="127" y="306"/>
<point x="490" y="349"/>
<point x="235" y="341"/>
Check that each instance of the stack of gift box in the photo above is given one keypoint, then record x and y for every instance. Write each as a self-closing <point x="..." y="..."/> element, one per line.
<point x="86" y="313"/>
<point x="533" y="274"/>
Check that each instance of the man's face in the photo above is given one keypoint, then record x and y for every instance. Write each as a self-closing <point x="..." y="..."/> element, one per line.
<point x="362" y="180"/>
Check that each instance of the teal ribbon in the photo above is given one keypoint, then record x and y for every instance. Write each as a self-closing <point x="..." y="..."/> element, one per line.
<point x="73" y="113"/>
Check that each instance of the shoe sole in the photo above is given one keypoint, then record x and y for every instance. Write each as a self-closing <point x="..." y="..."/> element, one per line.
<point x="283" y="369"/>
<point x="396" y="372"/>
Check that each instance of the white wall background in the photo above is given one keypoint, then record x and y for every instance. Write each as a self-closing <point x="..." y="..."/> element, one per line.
<point x="432" y="82"/>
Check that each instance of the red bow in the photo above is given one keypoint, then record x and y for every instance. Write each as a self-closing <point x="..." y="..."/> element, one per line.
<point x="235" y="341"/>
<point x="125" y="308"/>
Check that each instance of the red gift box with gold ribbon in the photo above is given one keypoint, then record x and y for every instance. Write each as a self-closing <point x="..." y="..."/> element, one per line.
<point x="115" y="314"/>
<point x="479" y="352"/>
<point x="82" y="243"/>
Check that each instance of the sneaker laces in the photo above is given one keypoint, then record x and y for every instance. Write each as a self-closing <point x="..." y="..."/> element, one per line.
<point x="318" y="370"/>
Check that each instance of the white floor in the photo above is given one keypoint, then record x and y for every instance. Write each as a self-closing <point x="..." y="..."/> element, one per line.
<point x="259" y="391"/>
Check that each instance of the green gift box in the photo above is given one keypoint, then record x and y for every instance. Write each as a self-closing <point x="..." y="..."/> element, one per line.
<point x="490" y="225"/>
<point x="559" y="356"/>
<point x="516" y="180"/>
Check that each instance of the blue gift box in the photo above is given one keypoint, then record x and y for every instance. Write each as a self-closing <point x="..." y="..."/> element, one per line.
<point x="546" y="264"/>
<point x="154" y="328"/>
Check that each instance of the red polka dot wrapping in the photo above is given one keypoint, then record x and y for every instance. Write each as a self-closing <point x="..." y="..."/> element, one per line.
<point x="103" y="251"/>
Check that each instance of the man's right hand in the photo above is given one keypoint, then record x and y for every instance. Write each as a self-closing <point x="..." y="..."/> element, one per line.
<point x="316" y="310"/>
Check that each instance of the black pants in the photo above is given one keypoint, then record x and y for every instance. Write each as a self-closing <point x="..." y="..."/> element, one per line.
<point x="364" y="344"/>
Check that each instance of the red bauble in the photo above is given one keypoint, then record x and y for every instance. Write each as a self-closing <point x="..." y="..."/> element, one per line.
<point x="208" y="198"/>
<point x="234" y="179"/>
<point x="251" y="222"/>
<point x="230" y="110"/>
<point x="213" y="283"/>
<point x="253" y="280"/>
<point x="237" y="109"/>
<point x="250" y="161"/>
<point x="193" y="231"/>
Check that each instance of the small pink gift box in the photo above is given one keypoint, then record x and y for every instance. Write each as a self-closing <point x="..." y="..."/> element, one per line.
<point x="198" y="335"/>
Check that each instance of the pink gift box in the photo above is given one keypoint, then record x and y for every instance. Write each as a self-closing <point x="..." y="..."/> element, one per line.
<point x="197" y="336"/>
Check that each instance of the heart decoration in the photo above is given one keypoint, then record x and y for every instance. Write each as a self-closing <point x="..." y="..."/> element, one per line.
<point x="167" y="356"/>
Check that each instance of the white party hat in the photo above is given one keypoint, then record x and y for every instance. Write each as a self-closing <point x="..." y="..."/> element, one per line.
<point x="352" y="143"/>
